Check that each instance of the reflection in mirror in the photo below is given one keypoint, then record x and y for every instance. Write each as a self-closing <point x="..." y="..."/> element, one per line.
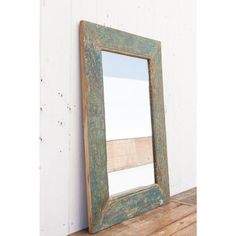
<point x="128" y="122"/>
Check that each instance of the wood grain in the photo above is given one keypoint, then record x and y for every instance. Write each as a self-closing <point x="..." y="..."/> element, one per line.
<point x="174" y="218"/>
<point x="190" y="230"/>
<point x="176" y="226"/>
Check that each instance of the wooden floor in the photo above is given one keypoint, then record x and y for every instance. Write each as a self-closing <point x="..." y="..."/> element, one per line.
<point x="178" y="218"/>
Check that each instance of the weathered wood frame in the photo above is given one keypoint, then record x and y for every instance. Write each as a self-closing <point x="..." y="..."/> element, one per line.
<point x="105" y="211"/>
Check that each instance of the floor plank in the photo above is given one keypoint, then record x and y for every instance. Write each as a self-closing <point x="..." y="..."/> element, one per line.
<point x="157" y="222"/>
<point x="190" y="230"/>
<point x="184" y="196"/>
<point x="176" y="226"/>
<point x="178" y="218"/>
<point x="187" y="197"/>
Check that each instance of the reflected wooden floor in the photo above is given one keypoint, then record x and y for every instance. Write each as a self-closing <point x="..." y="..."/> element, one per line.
<point x="128" y="153"/>
<point x="178" y="218"/>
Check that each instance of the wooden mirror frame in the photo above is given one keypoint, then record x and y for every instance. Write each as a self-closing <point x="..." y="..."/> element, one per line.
<point x="105" y="211"/>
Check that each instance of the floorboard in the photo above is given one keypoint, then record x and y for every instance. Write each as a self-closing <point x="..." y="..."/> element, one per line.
<point x="178" y="218"/>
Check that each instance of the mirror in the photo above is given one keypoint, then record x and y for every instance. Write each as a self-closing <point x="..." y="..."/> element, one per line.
<point x="121" y="141"/>
<point x="128" y="122"/>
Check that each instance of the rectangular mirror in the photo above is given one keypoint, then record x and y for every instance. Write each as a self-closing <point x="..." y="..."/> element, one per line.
<point x="124" y="125"/>
<point x="128" y="122"/>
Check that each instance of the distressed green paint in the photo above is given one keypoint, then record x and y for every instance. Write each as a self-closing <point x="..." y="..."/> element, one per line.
<point x="104" y="211"/>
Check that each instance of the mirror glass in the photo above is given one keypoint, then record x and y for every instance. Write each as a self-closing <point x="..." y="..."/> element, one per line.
<point x="128" y="122"/>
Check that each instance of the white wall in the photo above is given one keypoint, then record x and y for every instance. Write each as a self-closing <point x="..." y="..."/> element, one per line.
<point x="63" y="204"/>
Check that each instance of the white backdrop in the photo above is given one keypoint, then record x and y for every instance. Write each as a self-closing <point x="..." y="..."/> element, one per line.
<point x="63" y="199"/>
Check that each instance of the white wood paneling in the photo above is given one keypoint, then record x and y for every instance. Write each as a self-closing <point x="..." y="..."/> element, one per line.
<point x="54" y="133"/>
<point x="63" y="197"/>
